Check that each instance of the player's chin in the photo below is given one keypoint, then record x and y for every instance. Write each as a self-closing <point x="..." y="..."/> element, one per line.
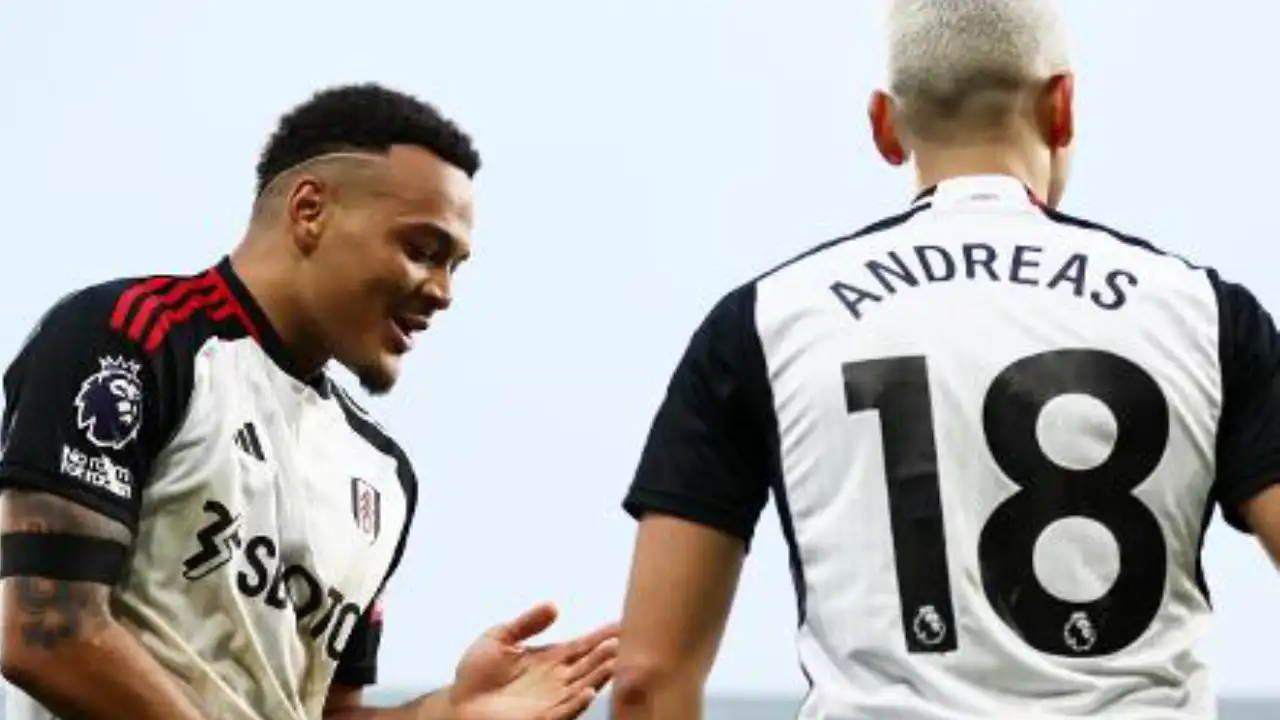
<point x="376" y="366"/>
<point x="378" y="376"/>
<point x="375" y="358"/>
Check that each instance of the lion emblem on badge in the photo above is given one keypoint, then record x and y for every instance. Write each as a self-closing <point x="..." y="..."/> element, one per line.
<point x="109" y="404"/>
<point x="929" y="627"/>
<point x="1079" y="632"/>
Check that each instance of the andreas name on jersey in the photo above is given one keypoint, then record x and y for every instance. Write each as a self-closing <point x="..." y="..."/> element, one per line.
<point x="910" y="265"/>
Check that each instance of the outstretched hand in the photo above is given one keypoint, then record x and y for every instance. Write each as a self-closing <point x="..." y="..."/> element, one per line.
<point x="499" y="678"/>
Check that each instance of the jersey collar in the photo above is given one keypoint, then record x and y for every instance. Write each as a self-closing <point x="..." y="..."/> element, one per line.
<point x="261" y="329"/>
<point x="985" y="190"/>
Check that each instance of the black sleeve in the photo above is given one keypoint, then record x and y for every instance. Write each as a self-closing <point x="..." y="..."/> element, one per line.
<point x="1248" y="449"/>
<point x="358" y="665"/>
<point x="86" y="409"/>
<point x="713" y="451"/>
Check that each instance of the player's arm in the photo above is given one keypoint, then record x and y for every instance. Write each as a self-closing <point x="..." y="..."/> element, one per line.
<point x="702" y="480"/>
<point x="1262" y="515"/>
<point x="358" y="669"/>
<point x="1248" y="452"/>
<point x="683" y="578"/>
<point x="69" y="494"/>
<point x="61" y="645"/>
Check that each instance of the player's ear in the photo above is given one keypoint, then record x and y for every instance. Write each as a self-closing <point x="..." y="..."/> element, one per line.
<point x="306" y="208"/>
<point x="882" y="113"/>
<point x="1055" y="111"/>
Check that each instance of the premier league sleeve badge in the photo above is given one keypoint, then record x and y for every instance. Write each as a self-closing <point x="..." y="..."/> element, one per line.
<point x="109" y="404"/>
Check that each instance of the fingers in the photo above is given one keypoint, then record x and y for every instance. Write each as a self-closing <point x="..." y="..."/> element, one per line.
<point x="530" y="623"/>
<point x="572" y="706"/>
<point x="597" y="676"/>
<point x="601" y="656"/>
<point x="575" y="649"/>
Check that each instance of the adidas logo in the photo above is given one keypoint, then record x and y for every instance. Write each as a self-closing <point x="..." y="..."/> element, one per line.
<point x="246" y="438"/>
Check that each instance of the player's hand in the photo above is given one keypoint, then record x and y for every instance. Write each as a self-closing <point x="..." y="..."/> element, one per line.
<point x="499" y="678"/>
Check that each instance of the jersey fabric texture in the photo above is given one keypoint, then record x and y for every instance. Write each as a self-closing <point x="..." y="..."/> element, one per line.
<point x="995" y="435"/>
<point x="268" y="512"/>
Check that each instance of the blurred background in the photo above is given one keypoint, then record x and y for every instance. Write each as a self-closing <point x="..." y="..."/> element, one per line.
<point x="641" y="159"/>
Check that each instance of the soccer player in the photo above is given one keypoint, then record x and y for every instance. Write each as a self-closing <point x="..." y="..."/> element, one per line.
<point x="994" y="433"/>
<point x="196" y="521"/>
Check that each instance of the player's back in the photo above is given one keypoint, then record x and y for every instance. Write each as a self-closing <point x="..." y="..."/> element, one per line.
<point x="997" y="428"/>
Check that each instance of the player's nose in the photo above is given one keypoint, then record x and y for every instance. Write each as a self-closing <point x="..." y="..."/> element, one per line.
<point x="437" y="290"/>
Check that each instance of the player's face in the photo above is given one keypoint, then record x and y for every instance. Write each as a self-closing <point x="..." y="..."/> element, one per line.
<point x="385" y="265"/>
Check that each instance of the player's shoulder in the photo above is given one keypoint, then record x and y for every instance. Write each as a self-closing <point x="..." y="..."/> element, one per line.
<point x="734" y="311"/>
<point x="885" y="224"/>
<point x="1123" y="238"/>
<point x="1233" y="298"/>
<point x="146" y="314"/>
<point x="367" y="428"/>
<point x="96" y="304"/>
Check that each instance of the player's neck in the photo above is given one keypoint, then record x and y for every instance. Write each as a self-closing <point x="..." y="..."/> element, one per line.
<point x="271" y="287"/>
<point x="934" y="165"/>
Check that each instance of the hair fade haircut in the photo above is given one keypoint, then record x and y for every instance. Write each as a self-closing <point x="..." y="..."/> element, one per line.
<point x="362" y="118"/>
<point x="947" y="56"/>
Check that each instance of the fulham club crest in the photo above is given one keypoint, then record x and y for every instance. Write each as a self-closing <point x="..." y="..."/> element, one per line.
<point x="366" y="508"/>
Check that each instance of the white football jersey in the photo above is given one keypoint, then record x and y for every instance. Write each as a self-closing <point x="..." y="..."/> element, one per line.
<point x="268" y="512"/>
<point x="995" y="435"/>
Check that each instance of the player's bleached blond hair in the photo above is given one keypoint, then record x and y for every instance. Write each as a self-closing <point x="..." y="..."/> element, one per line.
<point x="959" y="66"/>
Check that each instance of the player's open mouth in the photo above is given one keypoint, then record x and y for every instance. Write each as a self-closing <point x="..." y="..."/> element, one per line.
<point x="406" y="326"/>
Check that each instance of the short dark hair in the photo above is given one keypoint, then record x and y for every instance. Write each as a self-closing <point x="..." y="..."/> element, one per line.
<point x="366" y="117"/>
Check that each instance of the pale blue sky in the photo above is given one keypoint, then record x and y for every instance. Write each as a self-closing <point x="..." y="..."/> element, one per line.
<point x="642" y="157"/>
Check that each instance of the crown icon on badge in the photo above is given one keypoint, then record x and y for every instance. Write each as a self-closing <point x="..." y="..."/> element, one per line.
<point x="120" y="364"/>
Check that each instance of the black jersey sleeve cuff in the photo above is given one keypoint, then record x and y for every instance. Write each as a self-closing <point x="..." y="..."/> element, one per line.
<point x="356" y="676"/>
<point x="1236" y="494"/>
<point x="642" y="501"/>
<point x="16" y="477"/>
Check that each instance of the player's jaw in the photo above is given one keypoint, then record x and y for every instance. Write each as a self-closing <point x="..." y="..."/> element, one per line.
<point x="380" y="345"/>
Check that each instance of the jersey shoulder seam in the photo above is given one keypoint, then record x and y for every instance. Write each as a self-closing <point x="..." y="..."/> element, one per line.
<point x="881" y="225"/>
<point x="1063" y="218"/>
